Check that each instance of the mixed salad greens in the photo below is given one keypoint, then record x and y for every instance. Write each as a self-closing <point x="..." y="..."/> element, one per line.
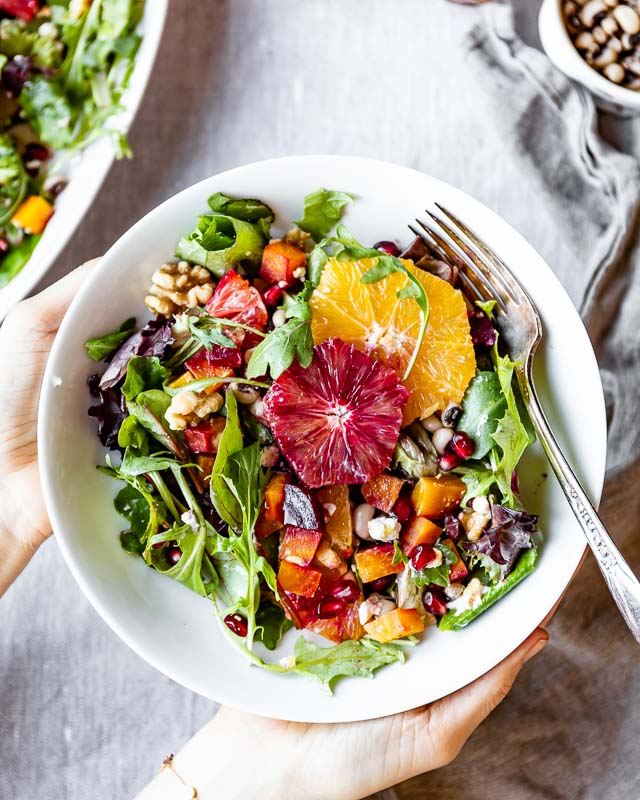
<point x="271" y="457"/>
<point x="64" y="65"/>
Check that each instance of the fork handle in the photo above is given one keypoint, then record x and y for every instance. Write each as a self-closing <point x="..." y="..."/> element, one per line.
<point x="622" y="583"/>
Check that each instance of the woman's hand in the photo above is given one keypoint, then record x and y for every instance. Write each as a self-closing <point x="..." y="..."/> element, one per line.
<point x="25" y="340"/>
<point x="238" y="755"/>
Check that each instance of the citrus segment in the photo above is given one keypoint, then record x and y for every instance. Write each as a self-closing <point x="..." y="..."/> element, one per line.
<point x="372" y="318"/>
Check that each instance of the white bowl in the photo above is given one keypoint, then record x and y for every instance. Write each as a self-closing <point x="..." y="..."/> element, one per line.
<point x="174" y="629"/>
<point x="89" y="169"/>
<point x="562" y="52"/>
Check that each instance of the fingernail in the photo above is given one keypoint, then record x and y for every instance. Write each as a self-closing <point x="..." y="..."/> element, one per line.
<point x="537" y="647"/>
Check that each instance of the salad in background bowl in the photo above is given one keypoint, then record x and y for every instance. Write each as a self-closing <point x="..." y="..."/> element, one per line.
<point x="306" y="567"/>
<point x="66" y="68"/>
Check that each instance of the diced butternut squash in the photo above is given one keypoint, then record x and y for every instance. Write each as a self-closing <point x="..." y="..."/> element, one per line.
<point x="205" y="462"/>
<point x="299" y="545"/>
<point x="32" y="216"/>
<point x="396" y="624"/>
<point x="337" y="508"/>
<point x="419" y="530"/>
<point x="376" y="562"/>
<point x="459" y="569"/>
<point x="274" y="497"/>
<point x="435" y="497"/>
<point x="382" y="492"/>
<point x="303" y="581"/>
<point x="280" y="263"/>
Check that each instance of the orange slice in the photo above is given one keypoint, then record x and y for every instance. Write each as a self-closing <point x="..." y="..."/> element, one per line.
<point x="371" y="317"/>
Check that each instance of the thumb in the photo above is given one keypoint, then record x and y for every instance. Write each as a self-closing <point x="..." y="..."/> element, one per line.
<point x="40" y="316"/>
<point x="453" y="719"/>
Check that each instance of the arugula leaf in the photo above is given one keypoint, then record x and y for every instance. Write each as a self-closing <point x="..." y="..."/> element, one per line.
<point x="271" y="624"/>
<point x="131" y="504"/>
<point x="277" y="351"/>
<point x="350" y="658"/>
<point x="143" y="373"/>
<point x="322" y="210"/>
<point x="232" y="578"/>
<point x="13" y="180"/>
<point x="511" y="435"/>
<point x="188" y="571"/>
<point x="47" y="108"/>
<point x="220" y="241"/>
<point x="149" y="409"/>
<point x="134" y="463"/>
<point x="102" y="347"/>
<point x="247" y="210"/>
<point x="132" y="434"/>
<point x="224" y="500"/>
<point x="208" y="331"/>
<point x="483" y="406"/>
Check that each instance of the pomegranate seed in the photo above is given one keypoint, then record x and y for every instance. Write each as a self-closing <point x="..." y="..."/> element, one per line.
<point x="388" y="247"/>
<point x="448" y="461"/>
<point x="346" y="590"/>
<point x="174" y="554"/>
<point x="272" y="295"/>
<point x="515" y="482"/>
<point x="330" y="607"/>
<point x="422" y="555"/>
<point x="434" y="601"/>
<point x="237" y="624"/>
<point x="403" y="509"/>
<point x="35" y="151"/>
<point x="381" y="584"/>
<point x="4" y="246"/>
<point x="462" y="444"/>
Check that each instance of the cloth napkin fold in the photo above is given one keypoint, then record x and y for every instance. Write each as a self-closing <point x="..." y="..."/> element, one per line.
<point x="579" y="699"/>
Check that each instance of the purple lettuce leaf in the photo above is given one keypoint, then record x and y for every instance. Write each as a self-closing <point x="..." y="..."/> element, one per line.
<point x="109" y="412"/>
<point x="509" y="534"/>
<point x="15" y="74"/>
<point x="152" y="340"/>
<point x="482" y="330"/>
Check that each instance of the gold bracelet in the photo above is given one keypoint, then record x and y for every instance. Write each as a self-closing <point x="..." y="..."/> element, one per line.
<point x="190" y="791"/>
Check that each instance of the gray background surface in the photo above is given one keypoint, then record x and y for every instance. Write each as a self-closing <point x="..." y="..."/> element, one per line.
<point x="237" y="81"/>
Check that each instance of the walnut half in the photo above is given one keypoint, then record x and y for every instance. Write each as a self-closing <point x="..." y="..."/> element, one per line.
<point x="175" y="287"/>
<point x="188" y="408"/>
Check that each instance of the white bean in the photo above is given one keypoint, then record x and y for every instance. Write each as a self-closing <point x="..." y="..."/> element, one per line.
<point x="615" y="72"/>
<point x="431" y="424"/>
<point x="441" y="439"/>
<point x="627" y="19"/>
<point x="278" y="318"/>
<point x="362" y="515"/>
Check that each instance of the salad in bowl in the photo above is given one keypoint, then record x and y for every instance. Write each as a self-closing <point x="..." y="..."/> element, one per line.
<point x="316" y="434"/>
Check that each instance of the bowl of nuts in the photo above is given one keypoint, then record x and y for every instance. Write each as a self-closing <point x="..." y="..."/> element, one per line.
<point x="597" y="44"/>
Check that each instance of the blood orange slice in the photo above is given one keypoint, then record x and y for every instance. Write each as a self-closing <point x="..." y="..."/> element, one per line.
<point x="338" y="420"/>
<point x="371" y="317"/>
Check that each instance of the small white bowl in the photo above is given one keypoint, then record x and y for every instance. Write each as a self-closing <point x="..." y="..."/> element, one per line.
<point x="562" y="52"/>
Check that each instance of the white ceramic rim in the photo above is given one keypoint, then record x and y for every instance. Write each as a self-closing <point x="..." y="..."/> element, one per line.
<point x="98" y="158"/>
<point x="562" y="52"/>
<point x="271" y="707"/>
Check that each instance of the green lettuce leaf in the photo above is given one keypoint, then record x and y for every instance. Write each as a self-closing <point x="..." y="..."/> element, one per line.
<point x="47" y="108"/>
<point x="143" y="373"/>
<point x="438" y="575"/>
<point x="102" y="347"/>
<point x="483" y="407"/>
<point x="351" y="658"/>
<point x="16" y="259"/>
<point x="322" y="210"/>
<point x="271" y="624"/>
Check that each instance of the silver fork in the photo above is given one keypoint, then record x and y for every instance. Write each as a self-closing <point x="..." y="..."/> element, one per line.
<point x="484" y="277"/>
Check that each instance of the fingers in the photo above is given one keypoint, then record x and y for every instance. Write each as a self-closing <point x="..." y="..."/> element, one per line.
<point x="453" y="719"/>
<point x="42" y="314"/>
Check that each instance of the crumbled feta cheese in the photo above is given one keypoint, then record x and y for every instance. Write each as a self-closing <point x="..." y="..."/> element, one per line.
<point x="481" y="505"/>
<point x="288" y="663"/>
<point x="384" y="529"/>
<point x="470" y="598"/>
<point x="189" y="518"/>
<point x="373" y="607"/>
<point x="299" y="273"/>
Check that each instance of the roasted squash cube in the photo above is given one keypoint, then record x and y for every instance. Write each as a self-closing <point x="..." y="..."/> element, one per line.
<point x="419" y="530"/>
<point x="435" y="497"/>
<point x="274" y="497"/>
<point x="394" y="625"/>
<point x="376" y="562"/>
<point x="459" y="569"/>
<point x="335" y="501"/>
